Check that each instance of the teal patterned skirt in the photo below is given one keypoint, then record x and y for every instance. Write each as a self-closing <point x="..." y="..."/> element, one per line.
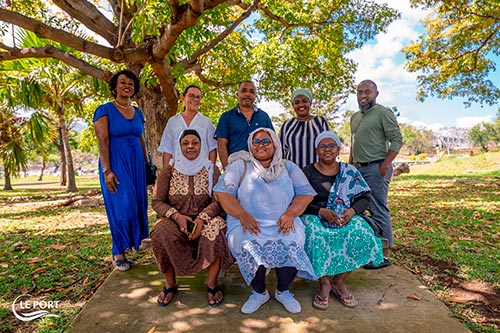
<point x="338" y="250"/>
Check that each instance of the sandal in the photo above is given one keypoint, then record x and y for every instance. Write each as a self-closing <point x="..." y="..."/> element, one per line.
<point x="121" y="264"/>
<point x="166" y="291"/>
<point x="348" y="300"/>
<point x="213" y="291"/>
<point x="320" y="303"/>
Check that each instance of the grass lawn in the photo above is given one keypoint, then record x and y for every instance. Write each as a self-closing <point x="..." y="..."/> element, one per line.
<point x="446" y="220"/>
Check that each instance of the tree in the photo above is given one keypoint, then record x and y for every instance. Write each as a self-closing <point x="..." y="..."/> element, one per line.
<point x="52" y="85"/>
<point x="417" y="140"/>
<point x="216" y="43"/>
<point x="13" y="150"/>
<point x="455" y="53"/>
<point x="484" y="134"/>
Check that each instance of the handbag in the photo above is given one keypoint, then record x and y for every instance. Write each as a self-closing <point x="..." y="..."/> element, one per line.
<point x="149" y="166"/>
<point x="150" y="171"/>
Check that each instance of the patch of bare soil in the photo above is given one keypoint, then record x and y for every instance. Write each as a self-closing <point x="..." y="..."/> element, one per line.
<point x="478" y="301"/>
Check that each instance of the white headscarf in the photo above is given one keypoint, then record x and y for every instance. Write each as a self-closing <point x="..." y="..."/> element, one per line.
<point x="277" y="163"/>
<point x="192" y="167"/>
<point x="327" y="134"/>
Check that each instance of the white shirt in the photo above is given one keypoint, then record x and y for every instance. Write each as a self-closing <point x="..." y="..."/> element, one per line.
<point x="176" y="124"/>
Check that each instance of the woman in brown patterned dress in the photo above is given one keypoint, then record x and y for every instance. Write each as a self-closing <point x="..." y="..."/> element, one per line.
<point x="182" y="195"/>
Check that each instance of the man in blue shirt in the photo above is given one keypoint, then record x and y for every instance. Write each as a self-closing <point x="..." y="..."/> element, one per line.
<point x="236" y="124"/>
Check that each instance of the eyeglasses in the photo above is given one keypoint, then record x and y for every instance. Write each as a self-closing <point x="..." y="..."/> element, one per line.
<point x="193" y="96"/>
<point x="265" y="142"/>
<point x="329" y="145"/>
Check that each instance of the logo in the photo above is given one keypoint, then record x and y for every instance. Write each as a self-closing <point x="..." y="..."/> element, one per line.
<point x="19" y="308"/>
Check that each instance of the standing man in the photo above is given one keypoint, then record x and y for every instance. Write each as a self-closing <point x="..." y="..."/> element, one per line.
<point x="375" y="142"/>
<point x="236" y="124"/>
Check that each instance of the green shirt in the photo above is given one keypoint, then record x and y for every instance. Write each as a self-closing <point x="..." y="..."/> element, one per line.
<point x="373" y="133"/>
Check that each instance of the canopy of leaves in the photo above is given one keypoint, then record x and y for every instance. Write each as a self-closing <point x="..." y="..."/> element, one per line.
<point x="455" y="54"/>
<point x="215" y="43"/>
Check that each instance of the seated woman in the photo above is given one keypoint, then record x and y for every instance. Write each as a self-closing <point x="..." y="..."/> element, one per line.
<point x="338" y="240"/>
<point x="183" y="196"/>
<point x="264" y="196"/>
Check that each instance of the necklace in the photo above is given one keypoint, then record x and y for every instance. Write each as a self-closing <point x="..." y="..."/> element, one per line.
<point x="121" y="106"/>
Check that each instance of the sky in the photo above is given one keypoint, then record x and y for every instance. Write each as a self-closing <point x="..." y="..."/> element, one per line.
<point x="382" y="61"/>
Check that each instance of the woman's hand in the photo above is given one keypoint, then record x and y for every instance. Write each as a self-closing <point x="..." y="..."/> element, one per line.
<point x="111" y="181"/>
<point x="330" y="216"/>
<point x="285" y="223"/>
<point x="248" y="222"/>
<point x="181" y="221"/>
<point x="197" y="231"/>
<point x="347" y="216"/>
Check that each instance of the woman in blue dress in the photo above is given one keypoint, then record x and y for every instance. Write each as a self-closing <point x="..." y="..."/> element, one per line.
<point x="338" y="239"/>
<point x="264" y="196"/>
<point x="119" y="128"/>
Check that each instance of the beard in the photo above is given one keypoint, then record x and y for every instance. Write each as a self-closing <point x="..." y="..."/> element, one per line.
<point x="364" y="107"/>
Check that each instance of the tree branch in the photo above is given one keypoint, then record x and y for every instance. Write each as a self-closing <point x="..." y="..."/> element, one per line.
<point x="61" y="36"/>
<point x="183" y="17"/>
<point x="91" y="17"/>
<point x="50" y="51"/>
<point x="194" y="57"/>
<point x="118" y="55"/>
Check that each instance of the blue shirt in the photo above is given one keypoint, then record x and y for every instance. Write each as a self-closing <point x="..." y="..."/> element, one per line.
<point x="234" y="127"/>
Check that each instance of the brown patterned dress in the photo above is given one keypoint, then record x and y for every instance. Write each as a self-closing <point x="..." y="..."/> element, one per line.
<point x="188" y="195"/>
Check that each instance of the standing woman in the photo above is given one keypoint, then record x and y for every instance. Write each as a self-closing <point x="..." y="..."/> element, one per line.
<point x="119" y="128"/>
<point x="189" y="118"/>
<point x="297" y="135"/>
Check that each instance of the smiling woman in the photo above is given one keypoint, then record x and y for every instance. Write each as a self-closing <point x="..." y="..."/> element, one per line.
<point x="119" y="128"/>
<point x="263" y="196"/>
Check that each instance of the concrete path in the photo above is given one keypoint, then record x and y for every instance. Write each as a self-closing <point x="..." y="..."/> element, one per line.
<point x="390" y="300"/>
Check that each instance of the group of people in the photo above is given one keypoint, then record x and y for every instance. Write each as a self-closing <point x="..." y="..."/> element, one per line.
<point x="284" y="202"/>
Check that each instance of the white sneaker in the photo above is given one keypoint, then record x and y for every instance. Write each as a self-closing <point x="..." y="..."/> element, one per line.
<point x="254" y="302"/>
<point x="289" y="302"/>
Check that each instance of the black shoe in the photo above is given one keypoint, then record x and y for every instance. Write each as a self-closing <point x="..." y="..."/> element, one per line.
<point x="383" y="264"/>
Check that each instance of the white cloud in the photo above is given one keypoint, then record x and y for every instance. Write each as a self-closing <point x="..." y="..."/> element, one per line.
<point x="468" y="122"/>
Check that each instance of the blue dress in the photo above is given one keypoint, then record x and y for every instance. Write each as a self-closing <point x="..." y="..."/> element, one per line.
<point x="127" y="207"/>
<point x="266" y="202"/>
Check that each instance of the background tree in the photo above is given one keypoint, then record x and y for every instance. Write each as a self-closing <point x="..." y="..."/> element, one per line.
<point x="54" y="86"/>
<point x="417" y="140"/>
<point x="216" y="43"/>
<point x="455" y="52"/>
<point x="484" y="134"/>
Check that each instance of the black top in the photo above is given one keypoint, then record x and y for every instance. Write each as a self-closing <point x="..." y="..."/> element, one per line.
<point x="322" y="185"/>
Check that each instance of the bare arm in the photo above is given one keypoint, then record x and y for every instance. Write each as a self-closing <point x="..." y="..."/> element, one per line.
<point x="233" y="207"/>
<point x="102" y="134"/>
<point x="144" y="149"/>
<point x="296" y="208"/>
<point x="212" y="156"/>
<point x="223" y="151"/>
<point x="166" y="157"/>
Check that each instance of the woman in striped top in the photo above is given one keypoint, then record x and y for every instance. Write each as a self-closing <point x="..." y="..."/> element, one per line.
<point x="297" y="135"/>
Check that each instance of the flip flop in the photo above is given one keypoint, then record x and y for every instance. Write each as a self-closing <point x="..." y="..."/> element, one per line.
<point x="213" y="291"/>
<point x="320" y="303"/>
<point x="121" y="264"/>
<point x="166" y="291"/>
<point x="348" y="301"/>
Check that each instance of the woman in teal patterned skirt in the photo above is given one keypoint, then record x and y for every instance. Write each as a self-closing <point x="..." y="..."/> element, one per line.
<point x="338" y="239"/>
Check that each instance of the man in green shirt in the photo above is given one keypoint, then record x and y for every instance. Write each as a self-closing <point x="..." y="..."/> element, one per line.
<point x="375" y="142"/>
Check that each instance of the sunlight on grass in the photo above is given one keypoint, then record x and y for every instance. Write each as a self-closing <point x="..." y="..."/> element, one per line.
<point x="446" y="219"/>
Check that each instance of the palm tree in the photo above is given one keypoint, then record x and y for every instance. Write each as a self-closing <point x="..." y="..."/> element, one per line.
<point x="55" y="87"/>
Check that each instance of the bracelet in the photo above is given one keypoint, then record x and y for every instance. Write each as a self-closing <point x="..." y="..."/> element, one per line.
<point x="106" y="171"/>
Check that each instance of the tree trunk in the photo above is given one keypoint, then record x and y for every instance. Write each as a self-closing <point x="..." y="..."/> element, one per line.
<point x="69" y="158"/>
<point x="7" y="186"/>
<point x="44" y="165"/>
<point x="156" y="112"/>
<point x="62" y="154"/>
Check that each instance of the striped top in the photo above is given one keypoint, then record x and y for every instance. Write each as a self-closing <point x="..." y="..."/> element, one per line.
<point x="297" y="139"/>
